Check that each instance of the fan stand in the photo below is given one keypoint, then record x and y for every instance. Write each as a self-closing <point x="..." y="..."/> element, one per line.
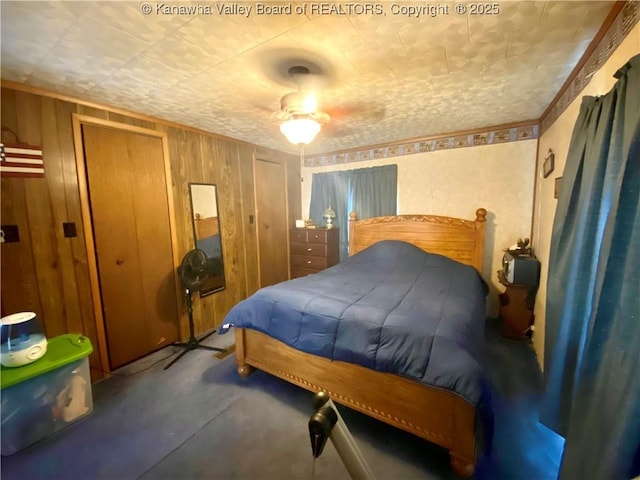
<point x="192" y="343"/>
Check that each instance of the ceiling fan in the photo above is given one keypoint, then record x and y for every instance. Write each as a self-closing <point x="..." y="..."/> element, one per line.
<point x="300" y="115"/>
<point x="311" y="75"/>
<point x="303" y="101"/>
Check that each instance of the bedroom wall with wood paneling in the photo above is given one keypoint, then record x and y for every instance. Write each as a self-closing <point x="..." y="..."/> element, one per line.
<point x="48" y="273"/>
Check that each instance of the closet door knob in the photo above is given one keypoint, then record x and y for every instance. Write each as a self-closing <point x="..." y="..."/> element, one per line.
<point x="119" y="261"/>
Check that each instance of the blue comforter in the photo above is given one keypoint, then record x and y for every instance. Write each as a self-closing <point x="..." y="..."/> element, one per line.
<point x="391" y="308"/>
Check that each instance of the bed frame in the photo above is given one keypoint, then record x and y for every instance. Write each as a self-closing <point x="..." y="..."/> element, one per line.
<point x="434" y="414"/>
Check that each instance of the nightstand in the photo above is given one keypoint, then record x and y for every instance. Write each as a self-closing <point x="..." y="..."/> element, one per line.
<point x="516" y="308"/>
<point x="313" y="249"/>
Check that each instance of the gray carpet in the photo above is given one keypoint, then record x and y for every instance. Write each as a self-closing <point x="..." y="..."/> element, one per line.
<point x="200" y="420"/>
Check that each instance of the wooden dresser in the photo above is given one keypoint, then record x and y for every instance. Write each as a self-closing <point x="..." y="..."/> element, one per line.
<point x="313" y="249"/>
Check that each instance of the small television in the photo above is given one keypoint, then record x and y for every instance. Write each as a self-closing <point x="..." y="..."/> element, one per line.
<point x="521" y="269"/>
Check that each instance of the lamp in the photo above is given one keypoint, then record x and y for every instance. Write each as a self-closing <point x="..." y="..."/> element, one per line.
<point x="329" y="214"/>
<point x="300" y="130"/>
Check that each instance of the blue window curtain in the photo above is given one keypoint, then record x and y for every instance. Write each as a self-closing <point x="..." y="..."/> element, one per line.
<point x="331" y="189"/>
<point x="374" y="191"/>
<point x="592" y="334"/>
<point x="370" y="192"/>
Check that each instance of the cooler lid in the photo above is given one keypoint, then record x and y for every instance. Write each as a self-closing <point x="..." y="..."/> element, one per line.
<point x="61" y="350"/>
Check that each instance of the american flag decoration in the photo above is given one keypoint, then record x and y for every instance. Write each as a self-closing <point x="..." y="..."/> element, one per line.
<point x="21" y="160"/>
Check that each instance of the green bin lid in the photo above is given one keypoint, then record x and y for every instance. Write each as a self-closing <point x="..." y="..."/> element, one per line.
<point x="61" y="350"/>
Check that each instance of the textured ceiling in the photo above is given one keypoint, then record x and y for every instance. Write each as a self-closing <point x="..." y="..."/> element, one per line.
<point x="388" y="76"/>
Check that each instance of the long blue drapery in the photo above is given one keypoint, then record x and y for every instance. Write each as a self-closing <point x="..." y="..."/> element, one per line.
<point x="370" y="192"/>
<point x="592" y="334"/>
<point x="331" y="189"/>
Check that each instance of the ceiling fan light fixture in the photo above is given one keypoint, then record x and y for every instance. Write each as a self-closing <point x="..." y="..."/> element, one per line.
<point x="300" y="131"/>
<point x="310" y="104"/>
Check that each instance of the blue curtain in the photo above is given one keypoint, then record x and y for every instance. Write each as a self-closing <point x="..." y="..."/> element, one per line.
<point x="370" y="192"/>
<point x="331" y="189"/>
<point x="592" y="334"/>
<point x="374" y="191"/>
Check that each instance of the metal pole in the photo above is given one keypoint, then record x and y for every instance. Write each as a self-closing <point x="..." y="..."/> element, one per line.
<point x="327" y="422"/>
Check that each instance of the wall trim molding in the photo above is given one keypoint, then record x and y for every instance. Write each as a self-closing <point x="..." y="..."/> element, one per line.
<point x="472" y="138"/>
<point x="622" y="19"/>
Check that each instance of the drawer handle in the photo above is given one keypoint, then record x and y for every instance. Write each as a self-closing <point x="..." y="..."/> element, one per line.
<point x="309" y="249"/>
<point x="308" y="261"/>
<point x="317" y="236"/>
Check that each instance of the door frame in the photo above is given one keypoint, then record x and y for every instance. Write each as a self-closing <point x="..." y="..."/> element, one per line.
<point x="78" y="121"/>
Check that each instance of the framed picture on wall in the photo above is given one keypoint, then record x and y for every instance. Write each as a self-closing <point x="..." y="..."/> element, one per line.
<point x="547" y="166"/>
<point x="556" y="187"/>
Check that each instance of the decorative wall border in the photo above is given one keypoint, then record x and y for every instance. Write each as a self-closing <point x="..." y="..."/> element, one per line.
<point x="624" y="22"/>
<point x="446" y="142"/>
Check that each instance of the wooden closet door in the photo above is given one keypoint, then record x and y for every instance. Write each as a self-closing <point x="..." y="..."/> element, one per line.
<point x="130" y="216"/>
<point x="271" y="216"/>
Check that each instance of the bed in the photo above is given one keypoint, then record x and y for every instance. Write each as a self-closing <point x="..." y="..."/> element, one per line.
<point x="439" y="396"/>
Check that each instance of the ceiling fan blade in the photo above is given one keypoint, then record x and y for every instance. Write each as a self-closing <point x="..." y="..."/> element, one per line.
<point x="320" y="117"/>
<point x="337" y="130"/>
<point x="280" y="116"/>
<point x="372" y="111"/>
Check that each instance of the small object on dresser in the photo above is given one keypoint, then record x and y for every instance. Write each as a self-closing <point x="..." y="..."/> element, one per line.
<point x="300" y="223"/>
<point x="520" y="269"/>
<point x="329" y="214"/>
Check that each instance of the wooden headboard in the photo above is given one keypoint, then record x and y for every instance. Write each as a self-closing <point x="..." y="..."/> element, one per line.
<point x="456" y="238"/>
<point x="205" y="227"/>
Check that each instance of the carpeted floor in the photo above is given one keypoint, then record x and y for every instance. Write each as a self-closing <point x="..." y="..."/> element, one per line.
<point x="200" y="420"/>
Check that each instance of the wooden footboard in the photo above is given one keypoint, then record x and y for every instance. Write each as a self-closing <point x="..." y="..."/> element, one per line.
<point x="430" y="413"/>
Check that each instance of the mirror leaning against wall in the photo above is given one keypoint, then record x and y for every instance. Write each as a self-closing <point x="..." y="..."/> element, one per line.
<point x="206" y="232"/>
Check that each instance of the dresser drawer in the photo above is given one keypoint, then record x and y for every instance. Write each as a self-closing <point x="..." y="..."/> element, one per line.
<point x="297" y="272"/>
<point x="314" y="249"/>
<point x="299" y="235"/>
<point x="317" y="236"/>
<point x="307" y="261"/>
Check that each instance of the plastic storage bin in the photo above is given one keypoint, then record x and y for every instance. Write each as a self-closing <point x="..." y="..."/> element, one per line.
<point x="47" y="395"/>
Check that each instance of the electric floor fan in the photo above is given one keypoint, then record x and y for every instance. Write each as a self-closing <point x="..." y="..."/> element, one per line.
<point x="193" y="274"/>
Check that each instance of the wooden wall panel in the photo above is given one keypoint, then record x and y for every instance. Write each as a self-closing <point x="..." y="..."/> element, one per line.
<point x="20" y="290"/>
<point x="80" y="285"/>
<point x="248" y="218"/>
<point x="220" y="166"/>
<point x="294" y="187"/>
<point x="49" y="274"/>
<point x="137" y="122"/>
<point x="92" y="112"/>
<point x="41" y="195"/>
